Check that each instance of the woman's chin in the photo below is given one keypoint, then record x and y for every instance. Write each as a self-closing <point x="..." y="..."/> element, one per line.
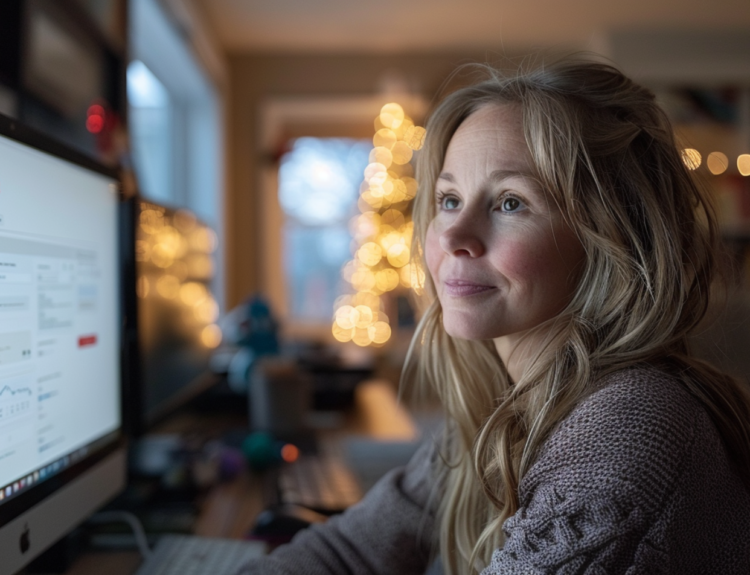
<point x="471" y="331"/>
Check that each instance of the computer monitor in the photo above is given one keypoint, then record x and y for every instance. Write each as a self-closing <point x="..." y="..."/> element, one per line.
<point x="61" y="452"/>
<point x="175" y="332"/>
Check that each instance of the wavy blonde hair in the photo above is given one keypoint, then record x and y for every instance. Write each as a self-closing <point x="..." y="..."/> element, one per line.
<point x="606" y="153"/>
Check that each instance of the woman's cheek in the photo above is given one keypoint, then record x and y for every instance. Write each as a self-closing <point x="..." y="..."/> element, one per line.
<point x="432" y="252"/>
<point x="516" y="261"/>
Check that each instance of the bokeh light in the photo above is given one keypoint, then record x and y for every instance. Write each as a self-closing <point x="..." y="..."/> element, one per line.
<point x="193" y="293"/>
<point x="371" y="201"/>
<point x="379" y="332"/>
<point x="168" y="286"/>
<point x="346" y="317"/>
<point x="398" y="255"/>
<point x="381" y="233"/>
<point x="342" y="334"/>
<point x="211" y="336"/>
<point x="290" y="453"/>
<point x="185" y="221"/>
<point x="381" y="155"/>
<point x="404" y="127"/>
<point x="203" y="240"/>
<point x="162" y="256"/>
<point x="370" y="254"/>
<point x="414" y="137"/>
<point x="384" y="138"/>
<point x="393" y="218"/>
<point x="692" y="158"/>
<point x="411" y="187"/>
<point x="391" y="115"/>
<point x="402" y="153"/>
<point x="207" y="311"/>
<point x="717" y="163"/>
<point x="142" y="251"/>
<point x="361" y="337"/>
<point x="743" y="164"/>
<point x="364" y="316"/>
<point x="151" y="220"/>
<point x="200" y="266"/>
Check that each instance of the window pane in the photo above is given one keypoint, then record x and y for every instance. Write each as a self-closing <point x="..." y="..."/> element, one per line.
<point x="319" y="179"/>
<point x="313" y="260"/>
<point x="151" y="132"/>
<point x="319" y="183"/>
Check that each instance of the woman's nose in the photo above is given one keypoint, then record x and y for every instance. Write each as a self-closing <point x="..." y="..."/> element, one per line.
<point x="462" y="238"/>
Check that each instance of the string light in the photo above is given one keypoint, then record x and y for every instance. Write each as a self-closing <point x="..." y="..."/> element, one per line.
<point x="743" y="164"/>
<point x="692" y="158"/>
<point x="211" y="336"/>
<point x="173" y="255"/>
<point x="717" y="163"/>
<point x="382" y="232"/>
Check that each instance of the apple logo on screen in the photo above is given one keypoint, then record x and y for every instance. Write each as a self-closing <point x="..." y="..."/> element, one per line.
<point x="25" y="542"/>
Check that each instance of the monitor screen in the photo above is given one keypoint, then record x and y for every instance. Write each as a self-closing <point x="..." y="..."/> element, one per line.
<point x="176" y="330"/>
<point x="60" y="331"/>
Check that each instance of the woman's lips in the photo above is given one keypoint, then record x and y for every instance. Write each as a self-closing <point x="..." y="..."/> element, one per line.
<point x="462" y="288"/>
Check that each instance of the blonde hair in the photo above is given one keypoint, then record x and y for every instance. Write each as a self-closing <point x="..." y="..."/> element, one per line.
<point x="606" y="153"/>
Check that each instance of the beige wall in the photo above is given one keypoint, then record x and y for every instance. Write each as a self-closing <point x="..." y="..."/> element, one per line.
<point x="256" y="78"/>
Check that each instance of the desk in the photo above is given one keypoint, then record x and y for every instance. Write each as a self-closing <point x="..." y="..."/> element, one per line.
<point x="229" y="510"/>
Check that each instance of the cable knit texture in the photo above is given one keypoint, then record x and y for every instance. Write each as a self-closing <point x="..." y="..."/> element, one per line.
<point x="634" y="481"/>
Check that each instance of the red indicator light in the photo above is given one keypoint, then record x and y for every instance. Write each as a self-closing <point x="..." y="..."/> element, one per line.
<point x="94" y="124"/>
<point x="289" y="453"/>
<point x="95" y="110"/>
<point x="95" y="118"/>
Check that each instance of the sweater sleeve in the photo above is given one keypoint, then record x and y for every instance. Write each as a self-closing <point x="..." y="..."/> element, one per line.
<point x="389" y="531"/>
<point x="597" y="498"/>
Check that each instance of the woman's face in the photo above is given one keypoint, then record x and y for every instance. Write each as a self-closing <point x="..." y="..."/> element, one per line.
<point x="502" y="258"/>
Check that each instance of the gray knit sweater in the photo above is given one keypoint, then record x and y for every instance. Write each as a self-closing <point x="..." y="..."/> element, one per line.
<point x="634" y="481"/>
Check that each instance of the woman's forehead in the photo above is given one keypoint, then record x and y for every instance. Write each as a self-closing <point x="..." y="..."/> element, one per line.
<point x="492" y="136"/>
<point x="491" y="120"/>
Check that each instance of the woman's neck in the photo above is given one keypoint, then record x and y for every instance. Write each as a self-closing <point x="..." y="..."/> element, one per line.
<point x="516" y="350"/>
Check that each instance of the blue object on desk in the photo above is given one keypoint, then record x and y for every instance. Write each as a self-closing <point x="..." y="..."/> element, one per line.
<point x="251" y="332"/>
<point x="258" y="330"/>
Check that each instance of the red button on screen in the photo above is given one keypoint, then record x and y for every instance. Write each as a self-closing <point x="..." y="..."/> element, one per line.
<point x="86" y="340"/>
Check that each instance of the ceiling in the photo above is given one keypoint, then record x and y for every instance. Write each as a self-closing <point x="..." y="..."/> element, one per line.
<point x="420" y="25"/>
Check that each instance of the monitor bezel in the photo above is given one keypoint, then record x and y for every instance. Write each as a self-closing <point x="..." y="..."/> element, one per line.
<point x="112" y="443"/>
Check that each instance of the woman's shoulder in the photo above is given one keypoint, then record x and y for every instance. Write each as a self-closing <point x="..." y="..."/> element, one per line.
<point x="626" y="393"/>
<point x="638" y="426"/>
<point x="644" y="400"/>
<point x="630" y="480"/>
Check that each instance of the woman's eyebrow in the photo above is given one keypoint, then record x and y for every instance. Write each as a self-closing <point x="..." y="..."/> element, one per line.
<point x="447" y="176"/>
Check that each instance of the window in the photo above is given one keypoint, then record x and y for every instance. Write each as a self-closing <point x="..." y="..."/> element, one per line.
<point x="175" y="121"/>
<point x="319" y="181"/>
<point x="150" y="113"/>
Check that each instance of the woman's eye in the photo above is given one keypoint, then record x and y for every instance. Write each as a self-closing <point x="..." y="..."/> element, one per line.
<point x="511" y="204"/>
<point x="449" y="203"/>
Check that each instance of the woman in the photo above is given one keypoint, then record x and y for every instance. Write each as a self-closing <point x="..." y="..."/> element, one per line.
<point x="570" y="255"/>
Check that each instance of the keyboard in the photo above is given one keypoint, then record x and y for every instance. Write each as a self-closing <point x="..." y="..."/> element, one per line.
<point x="321" y="482"/>
<point x="192" y="555"/>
